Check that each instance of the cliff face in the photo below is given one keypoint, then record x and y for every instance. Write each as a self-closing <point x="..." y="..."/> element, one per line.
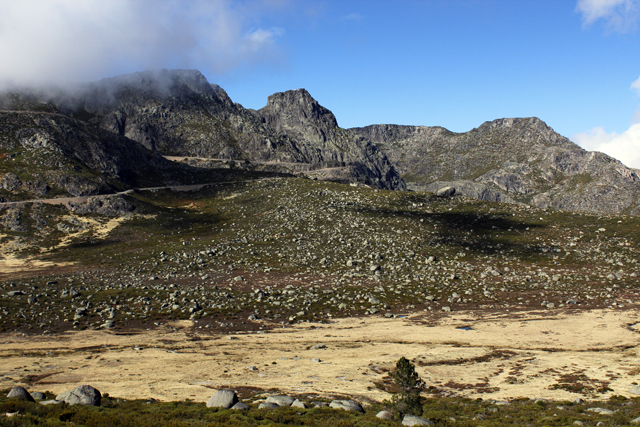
<point x="178" y="113"/>
<point x="510" y="160"/>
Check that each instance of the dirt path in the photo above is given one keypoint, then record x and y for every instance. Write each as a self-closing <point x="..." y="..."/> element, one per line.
<point x="497" y="358"/>
<point x="83" y="199"/>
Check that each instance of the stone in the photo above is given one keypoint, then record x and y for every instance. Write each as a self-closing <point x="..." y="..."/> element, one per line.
<point x="15" y="293"/>
<point x="240" y="406"/>
<point x="37" y="395"/>
<point x="578" y="423"/>
<point x="412" y="420"/>
<point x="81" y="395"/>
<point x="347" y="405"/>
<point x="108" y="324"/>
<point x="50" y="402"/>
<point x="635" y="421"/>
<point x="21" y="393"/>
<point x="318" y="346"/>
<point x="268" y="405"/>
<point x="222" y="399"/>
<point x="298" y="404"/>
<point x="635" y="389"/>
<point x="385" y="415"/>
<point x="280" y="400"/>
<point x="446" y="192"/>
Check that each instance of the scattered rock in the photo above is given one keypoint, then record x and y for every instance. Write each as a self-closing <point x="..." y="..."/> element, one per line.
<point x="347" y="405"/>
<point x="280" y="400"/>
<point x="81" y="395"/>
<point x="318" y="347"/>
<point x="298" y="404"/>
<point x="268" y="405"/>
<point x="240" y="406"/>
<point x="412" y="420"/>
<point x="385" y="415"/>
<point x="37" y="395"/>
<point x="223" y="399"/>
<point x="446" y="192"/>
<point x="21" y="393"/>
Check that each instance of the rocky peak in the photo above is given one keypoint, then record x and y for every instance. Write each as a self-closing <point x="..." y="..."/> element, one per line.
<point x="158" y="82"/>
<point x="295" y="111"/>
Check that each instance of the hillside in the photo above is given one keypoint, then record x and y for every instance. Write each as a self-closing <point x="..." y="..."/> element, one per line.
<point x="510" y="160"/>
<point x="44" y="154"/>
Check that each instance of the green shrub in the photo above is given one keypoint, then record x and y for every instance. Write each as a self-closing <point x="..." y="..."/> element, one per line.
<point x="408" y="399"/>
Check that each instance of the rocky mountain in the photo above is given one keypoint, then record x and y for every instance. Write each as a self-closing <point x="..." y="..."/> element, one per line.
<point x="178" y="113"/>
<point x="510" y="160"/>
<point x="49" y="154"/>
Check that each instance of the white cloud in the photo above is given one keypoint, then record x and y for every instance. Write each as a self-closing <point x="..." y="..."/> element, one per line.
<point x="619" y="15"/>
<point x="71" y="40"/>
<point x="624" y="147"/>
<point x="636" y="85"/>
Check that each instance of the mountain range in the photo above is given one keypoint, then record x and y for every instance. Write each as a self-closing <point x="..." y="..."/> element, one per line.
<point x="125" y="131"/>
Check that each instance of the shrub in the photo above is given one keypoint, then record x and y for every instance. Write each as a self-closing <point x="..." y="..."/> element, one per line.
<point x="408" y="399"/>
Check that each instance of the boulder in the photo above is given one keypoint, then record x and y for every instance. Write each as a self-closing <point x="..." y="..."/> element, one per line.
<point x="298" y="404"/>
<point x="81" y="395"/>
<point x="635" y="389"/>
<point x="37" y="395"/>
<point x="268" y="405"/>
<point x="240" y="406"/>
<point x="385" y="415"/>
<point x="223" y="399"/>
<point x="412" y="420"/>
<point x="446" y="192"/>
<point x="21" y="393"/>
<point x="280" y="400"/>
<point x="347" y="405"/>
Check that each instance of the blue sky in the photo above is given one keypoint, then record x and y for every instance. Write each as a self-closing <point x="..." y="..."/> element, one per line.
<point x="453" y="63"/>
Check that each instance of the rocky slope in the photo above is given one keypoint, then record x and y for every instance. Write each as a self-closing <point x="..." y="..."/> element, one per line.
<point x="178" y="113"/>
<point x="48" y="154"/>
<point x="510" y="160"/>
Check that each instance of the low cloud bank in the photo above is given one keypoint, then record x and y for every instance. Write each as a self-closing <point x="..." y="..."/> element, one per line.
<point x="624" y="147"/>
<point x="43" y="41"/>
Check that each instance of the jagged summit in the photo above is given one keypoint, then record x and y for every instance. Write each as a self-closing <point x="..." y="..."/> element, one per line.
<point x="179" y="113"/>
<point x="297" y="108"/>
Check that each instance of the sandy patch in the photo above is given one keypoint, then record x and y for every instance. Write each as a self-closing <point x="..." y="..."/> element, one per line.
<point x="11" y="263"/>
<point x="91" y="226"/>
<point x="497" y="358"/>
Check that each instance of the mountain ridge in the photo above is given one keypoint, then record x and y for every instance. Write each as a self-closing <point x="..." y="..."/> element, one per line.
<point x="514" y="160"/>
<point x="179" y="114"/>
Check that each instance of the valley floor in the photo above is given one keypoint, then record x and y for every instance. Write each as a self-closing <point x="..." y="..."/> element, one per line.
<point x="551" y="355"/>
